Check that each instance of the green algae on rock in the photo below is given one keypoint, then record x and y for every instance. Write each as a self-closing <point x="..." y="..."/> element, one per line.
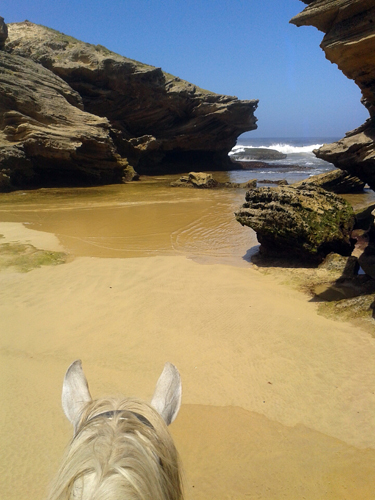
<point x="304" y="221"/>
<point x="22" y="257"/>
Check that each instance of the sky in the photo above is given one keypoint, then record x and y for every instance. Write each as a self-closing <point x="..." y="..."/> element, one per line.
<point x="244" y="48"/>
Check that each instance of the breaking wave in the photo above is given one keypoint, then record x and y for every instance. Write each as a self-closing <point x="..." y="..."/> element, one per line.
<point x="281" y="147"/>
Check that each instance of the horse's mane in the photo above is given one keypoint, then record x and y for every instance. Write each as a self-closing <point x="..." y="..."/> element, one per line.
<point x="120" y="457"/>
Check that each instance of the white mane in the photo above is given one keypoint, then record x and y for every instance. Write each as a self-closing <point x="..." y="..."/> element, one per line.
<point x="121" y="450"/>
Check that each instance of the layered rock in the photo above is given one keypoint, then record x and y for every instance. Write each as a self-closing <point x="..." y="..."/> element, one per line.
<point x="304" y="221"/>
<point x="157" y="121"/>
<point x="336" y="181"/>
<point x="349" y="41"/>
<point x="45" y="136"/>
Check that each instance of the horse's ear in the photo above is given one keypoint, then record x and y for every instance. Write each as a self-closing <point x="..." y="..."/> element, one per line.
<point x="167" y="396"/>
<point x="75" y="393"/>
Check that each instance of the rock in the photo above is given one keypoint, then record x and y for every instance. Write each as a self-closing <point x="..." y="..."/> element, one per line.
<point x="254" y="165"/>
<point x="249" y="153"/>
<point x="349" y="39"/>
<point x="355" y="153"/>
<point x="347" y="266"/>
<point x="305" y="221"/>
<point x="249" y="165"/>
<point x="280" y="182"/>
<point x="364" y="217"/>
<point x="3" y="32"/>
<point x="344" y="289"/>
<point x="45" y="136"/>
<point x="203" y="180"/>
<point x="158" y="122"/>
<point x="197" y="180"/>
<point x="129" y="174"/>
<point x="364" y="250"/>
<point x="337" y="181"/>
<point x="251" y="184"/>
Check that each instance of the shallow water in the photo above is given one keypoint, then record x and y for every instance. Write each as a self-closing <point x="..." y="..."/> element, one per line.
<point x="144" y="218"/>
<point x="138" y="220"/>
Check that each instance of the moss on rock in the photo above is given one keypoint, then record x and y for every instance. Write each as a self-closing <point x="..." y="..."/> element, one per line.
<point x="23" y="257"/>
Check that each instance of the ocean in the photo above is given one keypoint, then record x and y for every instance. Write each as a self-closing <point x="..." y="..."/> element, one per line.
<point x="299" y="164"/>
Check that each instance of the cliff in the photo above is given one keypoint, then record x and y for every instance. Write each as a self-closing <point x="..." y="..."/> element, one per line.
<point x="125" y="112"/>
<point x="349" y="41"/>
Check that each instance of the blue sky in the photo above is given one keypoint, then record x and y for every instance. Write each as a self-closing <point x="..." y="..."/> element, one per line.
<point x="245" y="48"/>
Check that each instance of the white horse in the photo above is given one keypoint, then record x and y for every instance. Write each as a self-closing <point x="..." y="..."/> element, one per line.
<point x="121" y="448"/>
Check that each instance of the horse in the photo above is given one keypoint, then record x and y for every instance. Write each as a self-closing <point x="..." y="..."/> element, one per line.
<point x="121" y="448"/>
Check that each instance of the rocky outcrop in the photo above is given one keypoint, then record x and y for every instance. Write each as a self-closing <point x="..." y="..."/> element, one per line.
<point x="243" y="153"/>
<point x="154" y="120"/>
<point x="349" y="41"/>
<point x="199" y="180"/>
<point x="45" y="136"/>
<point x="305" y="222"/>
<point x="202" y="180"/>
<point x="336" y="181"/>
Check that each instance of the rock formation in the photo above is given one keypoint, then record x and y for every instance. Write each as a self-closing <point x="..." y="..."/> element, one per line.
<point x="336" y="181"/>
<point x="202" y="180"/>
<point x="141" y="116"/>
<point x="45" y="136"/>
<point x="349" y="41"/>
<point x="305" y="222"/>
<point x="243" y="153"/>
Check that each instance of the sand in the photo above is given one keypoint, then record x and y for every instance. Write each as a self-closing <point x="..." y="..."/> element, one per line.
<point x="278" y="402"/>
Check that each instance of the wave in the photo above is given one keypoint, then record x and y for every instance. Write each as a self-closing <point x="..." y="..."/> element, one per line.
<point x="283" y="148"/>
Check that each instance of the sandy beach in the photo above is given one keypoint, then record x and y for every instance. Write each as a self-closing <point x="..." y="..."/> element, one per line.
<point x="278" y="402"/>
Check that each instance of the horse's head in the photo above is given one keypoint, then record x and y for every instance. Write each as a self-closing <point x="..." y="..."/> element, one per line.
<point x="76" y="395"/>
<point x="121" y="446"/>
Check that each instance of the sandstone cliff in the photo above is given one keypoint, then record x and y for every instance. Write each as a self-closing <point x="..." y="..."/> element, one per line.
<point x="349" y="41"/>
<point x="114" y="111"/>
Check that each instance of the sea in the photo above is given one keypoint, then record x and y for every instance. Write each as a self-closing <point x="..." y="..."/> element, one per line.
<point x="299" y="164"/>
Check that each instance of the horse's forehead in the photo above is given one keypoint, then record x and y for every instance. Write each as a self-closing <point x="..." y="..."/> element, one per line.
<point x="122" y="415"/>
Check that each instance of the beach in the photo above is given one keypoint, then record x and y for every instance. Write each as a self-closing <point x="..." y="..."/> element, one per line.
<point x="278" y="402"/>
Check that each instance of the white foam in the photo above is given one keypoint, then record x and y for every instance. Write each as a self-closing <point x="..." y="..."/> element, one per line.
<point x="282" y="148"/>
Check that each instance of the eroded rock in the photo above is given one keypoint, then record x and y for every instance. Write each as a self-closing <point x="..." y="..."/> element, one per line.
<point x="337" y="181"/>
<point x="45" y="136"/>
<point x="199" y="180"/>
<point x="304" y="221"/>
<point x="158" y="122"/>
<point x="206" y="181"/>
<point x="349" y="41"/>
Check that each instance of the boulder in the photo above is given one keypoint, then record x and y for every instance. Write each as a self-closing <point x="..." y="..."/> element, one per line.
<point x="305" y="221"/>
<point x="337" y="181"/>
<point x="250" y="153"/>
<point x="206" y="181"/>
<point x="250" y="184"/>
<point x="158" y="122"/>
<point x="349" y="42"/>
<point x="196" y="179"/>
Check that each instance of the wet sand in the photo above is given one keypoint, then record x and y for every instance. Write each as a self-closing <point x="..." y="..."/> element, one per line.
<point x="278" y="402"/>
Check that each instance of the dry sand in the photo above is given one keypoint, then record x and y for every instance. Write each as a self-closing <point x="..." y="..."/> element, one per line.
<point x="278" y="402"/>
